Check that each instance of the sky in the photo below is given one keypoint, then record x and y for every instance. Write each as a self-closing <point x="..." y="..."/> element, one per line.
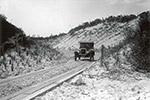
<point x="46" y="17"/>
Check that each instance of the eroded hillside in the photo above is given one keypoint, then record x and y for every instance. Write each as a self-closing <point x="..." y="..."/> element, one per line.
<point x="106" y="33"/>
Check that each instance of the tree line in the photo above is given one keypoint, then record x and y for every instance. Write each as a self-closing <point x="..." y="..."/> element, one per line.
<point x="119" y="18"/>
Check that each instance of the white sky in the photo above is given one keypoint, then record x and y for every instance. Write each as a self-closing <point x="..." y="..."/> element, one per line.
<point x="46" y="17"/>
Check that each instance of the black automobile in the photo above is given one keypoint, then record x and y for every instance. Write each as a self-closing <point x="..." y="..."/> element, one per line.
<point x="86" y="50"/>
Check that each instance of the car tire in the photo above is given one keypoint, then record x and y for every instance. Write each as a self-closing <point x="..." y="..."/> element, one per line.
<point x="92" y="57"/>
<point x="79" y="57"/>
<point x="75" y="58"/>
<point x="75" y="55"/>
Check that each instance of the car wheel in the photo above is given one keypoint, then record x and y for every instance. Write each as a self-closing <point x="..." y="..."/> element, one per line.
<point x="75" y="55"/>
<point x="91" y="57"/>
<point x="79" y="57"/>
<point x="75" y="58"/>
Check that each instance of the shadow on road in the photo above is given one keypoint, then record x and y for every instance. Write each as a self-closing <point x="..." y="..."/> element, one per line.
<point x="87" y="60"/>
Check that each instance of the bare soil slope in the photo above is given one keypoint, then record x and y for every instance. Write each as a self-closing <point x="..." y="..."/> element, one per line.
<point x="107" y="33"/>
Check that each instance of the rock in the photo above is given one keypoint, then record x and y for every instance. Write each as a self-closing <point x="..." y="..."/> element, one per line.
<point x="78" y="81"/>
<point x="136" y="89"/>
<point x="3" y="75"/>
<point x="38" y="98"/>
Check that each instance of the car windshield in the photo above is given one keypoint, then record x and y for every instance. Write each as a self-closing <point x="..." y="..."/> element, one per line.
<point x="87" y="45"/>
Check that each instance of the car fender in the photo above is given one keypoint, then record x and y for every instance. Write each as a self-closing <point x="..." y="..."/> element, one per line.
<point x="76" y="53"/>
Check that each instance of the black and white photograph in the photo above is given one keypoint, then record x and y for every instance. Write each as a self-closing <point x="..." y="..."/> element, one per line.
<point x="74" y="49"/>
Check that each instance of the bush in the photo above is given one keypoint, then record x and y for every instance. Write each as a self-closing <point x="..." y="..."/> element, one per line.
<point x="121" y="18"/>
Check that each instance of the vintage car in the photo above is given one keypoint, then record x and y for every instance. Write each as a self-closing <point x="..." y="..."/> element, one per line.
<point x="86" y="50"/>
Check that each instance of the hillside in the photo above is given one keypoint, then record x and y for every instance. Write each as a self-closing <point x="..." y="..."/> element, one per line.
<point x="11" y="36"/>
<point x="114" y="35"/>
<point x="105" y="33"/>
<point x="21" y="54"/>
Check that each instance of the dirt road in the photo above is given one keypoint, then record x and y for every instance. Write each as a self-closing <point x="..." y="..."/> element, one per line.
<point x="12" y="86"/>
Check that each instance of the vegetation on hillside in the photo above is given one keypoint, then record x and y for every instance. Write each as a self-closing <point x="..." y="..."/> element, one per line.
<point x="11" y="36"/>
<point x="28" y="59"/>
<point x="141" y="48"/>
<point x="49" y="37"/>
<point x="21" y="54"/>
<point x="139" y="41"/>
<point x="119" y="18"/>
